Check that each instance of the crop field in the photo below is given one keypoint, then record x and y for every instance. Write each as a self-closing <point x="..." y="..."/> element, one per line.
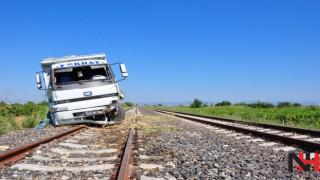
<point x="21" y="116"/>
<point x="304" y="117"/>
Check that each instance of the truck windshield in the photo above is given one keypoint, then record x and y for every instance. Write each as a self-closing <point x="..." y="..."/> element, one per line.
<point x="81" y="74"/>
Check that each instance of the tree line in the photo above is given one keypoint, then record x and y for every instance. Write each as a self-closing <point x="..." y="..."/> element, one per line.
<point x="198" y="103"/>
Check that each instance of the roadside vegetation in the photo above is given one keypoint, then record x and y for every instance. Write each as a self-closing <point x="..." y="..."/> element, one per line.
<point x="21" y="116"/>
<point x="283" y="113"/>
<point x="28" y="115"/>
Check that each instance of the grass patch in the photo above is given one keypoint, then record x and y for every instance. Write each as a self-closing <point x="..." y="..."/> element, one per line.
<point x="10" y="123"/>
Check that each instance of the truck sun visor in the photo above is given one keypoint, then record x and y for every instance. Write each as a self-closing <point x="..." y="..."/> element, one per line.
<point x="64" y="70"/>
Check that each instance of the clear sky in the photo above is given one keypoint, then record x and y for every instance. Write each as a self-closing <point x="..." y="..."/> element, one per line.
<point x="175" y="51"/>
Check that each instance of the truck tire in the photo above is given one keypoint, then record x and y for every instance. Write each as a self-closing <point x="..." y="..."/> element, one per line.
<point x="120" y="115"/>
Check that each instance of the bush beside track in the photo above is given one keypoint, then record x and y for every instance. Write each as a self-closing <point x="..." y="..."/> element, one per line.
<point x="21" y="116"/>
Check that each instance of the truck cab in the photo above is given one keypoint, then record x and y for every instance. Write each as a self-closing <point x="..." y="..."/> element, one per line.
<point x="81" y="89"/>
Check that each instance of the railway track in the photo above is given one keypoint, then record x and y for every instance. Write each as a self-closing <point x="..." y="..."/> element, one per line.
<point x="159" y="147"/>
<point x="296" y="137"/>
<point x="82" y="152"/>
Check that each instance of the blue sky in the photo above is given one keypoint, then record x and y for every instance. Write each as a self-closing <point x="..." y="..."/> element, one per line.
<point x="175" y="51"/>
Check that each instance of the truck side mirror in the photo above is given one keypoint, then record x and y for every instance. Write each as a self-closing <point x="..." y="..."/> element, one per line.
<point x="123" y="70"/>
<point x="39" y="82"/>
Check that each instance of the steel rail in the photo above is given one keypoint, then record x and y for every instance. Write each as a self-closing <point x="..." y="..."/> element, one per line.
<point x="20" y="152"/>
<point x="303" y="144"/>
<point x="125" y="169"/>
<point x="311" y="132"/>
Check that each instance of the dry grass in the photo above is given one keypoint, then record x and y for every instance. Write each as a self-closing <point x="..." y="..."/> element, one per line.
<point x="148" y="124"/>
<point x="20" y="120"/>
<point x="129" y="121"/>
<point x="156" y="124"/>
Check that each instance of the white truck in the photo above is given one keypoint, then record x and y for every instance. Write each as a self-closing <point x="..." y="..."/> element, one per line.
<point x="81" y="89"/>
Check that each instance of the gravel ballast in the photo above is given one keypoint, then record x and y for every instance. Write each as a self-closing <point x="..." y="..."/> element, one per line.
<point x="17" y="138"/>
<point x="194" y="151"/>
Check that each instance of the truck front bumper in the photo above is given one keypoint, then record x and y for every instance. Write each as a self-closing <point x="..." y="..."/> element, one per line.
<point x="96" y="115"/>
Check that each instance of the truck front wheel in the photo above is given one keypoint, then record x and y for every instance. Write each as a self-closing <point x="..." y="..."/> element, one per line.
<point x="118" y="114"/>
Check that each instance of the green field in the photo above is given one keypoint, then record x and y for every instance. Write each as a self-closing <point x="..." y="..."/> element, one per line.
<point x="28" y="115"/>
<point x="21" y="116"/>
<point x="304" y="117"/>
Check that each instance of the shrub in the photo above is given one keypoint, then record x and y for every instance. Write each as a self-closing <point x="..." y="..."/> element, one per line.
<point x="296" y="105"/>
<point x="196" y="103"/>
<point x="129" y="104"/>
<point x="261" y="105"/>
<point x="283" y="104"/>
<point x="224" y="103"/>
